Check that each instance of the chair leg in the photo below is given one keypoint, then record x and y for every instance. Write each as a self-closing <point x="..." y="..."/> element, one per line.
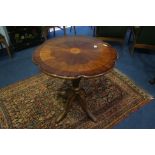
<point x="130" y="36"/>
<point x="45" y="32"/>
<point x="94" y="31"/>
<point x="74" y="30"/>
<point x="133" y="45"/>
<point x="64" y="28"/>
<point x="1" y="45"/>
<point x="54" y="31"/>
<point x="70" y="28"/>
<point x="7" y="48"/>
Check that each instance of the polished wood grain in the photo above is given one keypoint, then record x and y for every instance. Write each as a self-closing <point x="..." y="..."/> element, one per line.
<point x="75" y="57"/>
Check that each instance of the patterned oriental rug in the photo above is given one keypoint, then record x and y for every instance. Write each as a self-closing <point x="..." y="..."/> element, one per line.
<point x="38" y="101"/>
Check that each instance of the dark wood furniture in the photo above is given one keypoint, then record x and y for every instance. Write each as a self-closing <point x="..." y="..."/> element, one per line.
<point x="75" y="58"/>
<point x="111" y="33"/>
<point x="3" y="41"/>
<point x="22" y="37"/>
<point x="143" y="37"/>
<point x="74" y="28"/>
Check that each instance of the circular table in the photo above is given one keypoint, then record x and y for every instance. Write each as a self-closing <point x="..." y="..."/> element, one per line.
<point x="75" y="58"/>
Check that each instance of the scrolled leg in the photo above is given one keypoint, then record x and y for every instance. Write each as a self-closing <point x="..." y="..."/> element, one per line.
<point x="80" y="94"/>
<point x="85" y="108"/>
<point x="68" y="106"/>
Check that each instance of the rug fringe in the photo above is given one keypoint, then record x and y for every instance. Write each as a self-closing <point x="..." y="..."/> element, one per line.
<point x="127" y="79"/>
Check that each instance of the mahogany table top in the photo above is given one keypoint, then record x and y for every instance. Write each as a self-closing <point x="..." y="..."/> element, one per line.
<point x="74" y="57"/>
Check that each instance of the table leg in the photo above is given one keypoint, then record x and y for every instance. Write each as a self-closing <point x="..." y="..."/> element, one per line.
<point x="67" y="108"/>
<point x="79" y="94"/>
<point x="85" y="108"/>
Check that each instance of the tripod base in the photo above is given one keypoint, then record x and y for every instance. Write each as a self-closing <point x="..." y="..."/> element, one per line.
<point x="76" y="94"/>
